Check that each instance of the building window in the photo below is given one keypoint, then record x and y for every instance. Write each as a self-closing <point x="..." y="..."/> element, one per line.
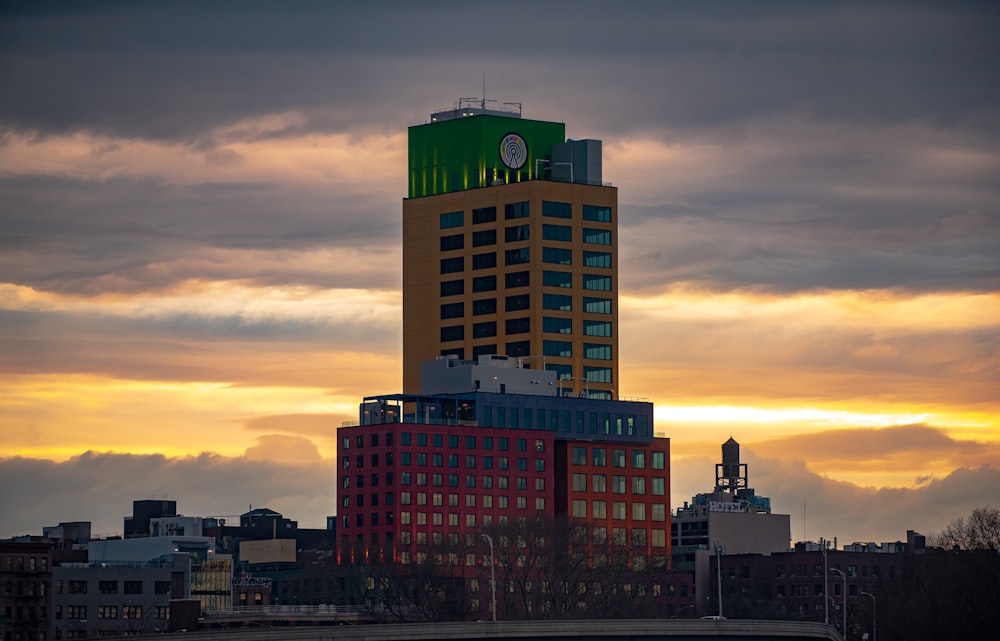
<point x="557" y="302"/>
<point x="597" y="305"/>
<point x="557" y="348"/>
<point x="452" y="310"/>
<point x="454" y="219"/>
<point x="132" y="612"/>
<point x="596" y="328"/>
<point x="452" y="265"/>
<point x="516" y="210"/>
<point x="659" y="512"/>
<point x="557" y="232"/>
<point x="557" y="279"/>
<point x="484" y="261"/>
<point x="452" y="287"/>
<point x="597" y="214"/>
<point x="484" y="238"/>
<point x="599" y="509"/>
<point x="453" y="333"/>
<point x="161" y="587"/>
<point x="579" y="456"/>
<point x="563" y="372"/>
<point x="600" y="457"/>
<point x="451" y="243"/>
<point x="517" y="256"/>
<point x="659" y="485"/>
<point x="639" y="511"/>
<point x="638" y="459"/>
<point x="517" y="303"/>
<point x="484" y="306"/>
<point x="483" y="350"/>
<point x="618" y="510"/>
<point x="595" y="282"/>
<point x="579" y="509"/>
<point x="557" y="325"/>
<point x="484" y="283"/>
<point x="517" y="233"/>
<point x="107" y="587"/>
<point x="596" y="236"/>
<point x="639" y="536"/>
<point x="638" y="485"/>
<point x="556" y="210"/>
<point x="557" y="256"/>
<point x="597" y="374"/>
<point x="618" y="484"/>
<point x="597" y="259"/>
<point x="659" y="460"/>
<point x="517" y="279"/>
<point x="597" y="351"/>
<point x="483" y="330"/>
<point x="484" y="215"/>
<point x="579" y="482"/>
<point x="517" y="348"/>
<point x="517" y="325"/>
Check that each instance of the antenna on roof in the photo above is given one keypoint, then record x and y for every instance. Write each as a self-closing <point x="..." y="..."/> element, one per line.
<point x="484" y="90"/>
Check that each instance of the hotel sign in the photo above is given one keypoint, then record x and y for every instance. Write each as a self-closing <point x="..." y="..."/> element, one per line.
<point x="719" y="506"/>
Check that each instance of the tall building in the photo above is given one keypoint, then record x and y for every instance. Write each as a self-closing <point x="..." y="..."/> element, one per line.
<point x="510" y="247"/>
<point x="509" y="414"/>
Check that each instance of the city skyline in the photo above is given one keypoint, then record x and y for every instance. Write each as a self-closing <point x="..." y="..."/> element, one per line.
<point x="200" y="257"/>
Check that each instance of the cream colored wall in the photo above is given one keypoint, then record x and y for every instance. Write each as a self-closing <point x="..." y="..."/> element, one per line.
<point x="269" y="551"/>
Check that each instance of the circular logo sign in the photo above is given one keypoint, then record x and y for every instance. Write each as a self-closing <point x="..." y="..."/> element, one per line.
<point x="513" y="151"/>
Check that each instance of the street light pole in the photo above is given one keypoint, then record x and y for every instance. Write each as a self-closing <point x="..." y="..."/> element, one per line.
<point x="718" y="568"/>
<point x="493" y="577"/>
<point x="826" y="583"/>
<point x="869" y="594"/>
<point x="844" y="577"/>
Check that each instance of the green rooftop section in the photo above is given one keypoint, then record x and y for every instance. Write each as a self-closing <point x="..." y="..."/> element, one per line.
<point x="478" y="151"/>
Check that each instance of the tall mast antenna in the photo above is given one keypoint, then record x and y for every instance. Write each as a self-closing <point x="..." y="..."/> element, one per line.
<point x="484" y="91"/>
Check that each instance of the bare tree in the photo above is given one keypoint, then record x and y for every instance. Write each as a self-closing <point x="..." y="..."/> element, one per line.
<point x="980" y="531"/>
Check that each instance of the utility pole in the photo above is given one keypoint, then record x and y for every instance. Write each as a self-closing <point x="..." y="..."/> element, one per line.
<point x="719" y="549"/>
<point x="826" y="583"/>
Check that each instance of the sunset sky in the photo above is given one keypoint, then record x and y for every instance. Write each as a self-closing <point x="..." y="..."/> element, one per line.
<point x="200" y="240"/>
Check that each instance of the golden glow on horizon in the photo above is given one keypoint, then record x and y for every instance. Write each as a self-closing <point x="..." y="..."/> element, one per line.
<point x="75" y="413"/>
<point x="749" y="364"/>
<point x="871" y="309"/>
<point x="226" y="299"/>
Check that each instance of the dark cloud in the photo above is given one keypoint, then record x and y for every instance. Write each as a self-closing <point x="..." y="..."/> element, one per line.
<point x="186" y="346"/>
<point x="821" y="506"/>
<point x="90" y="487"/>
<point x="177" y="70"/>
<point x="100" y="487"/>
<point x="73" y="236"/>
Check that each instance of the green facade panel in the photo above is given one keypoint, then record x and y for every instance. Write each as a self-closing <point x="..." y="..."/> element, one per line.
<point x="465" y="153"/>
